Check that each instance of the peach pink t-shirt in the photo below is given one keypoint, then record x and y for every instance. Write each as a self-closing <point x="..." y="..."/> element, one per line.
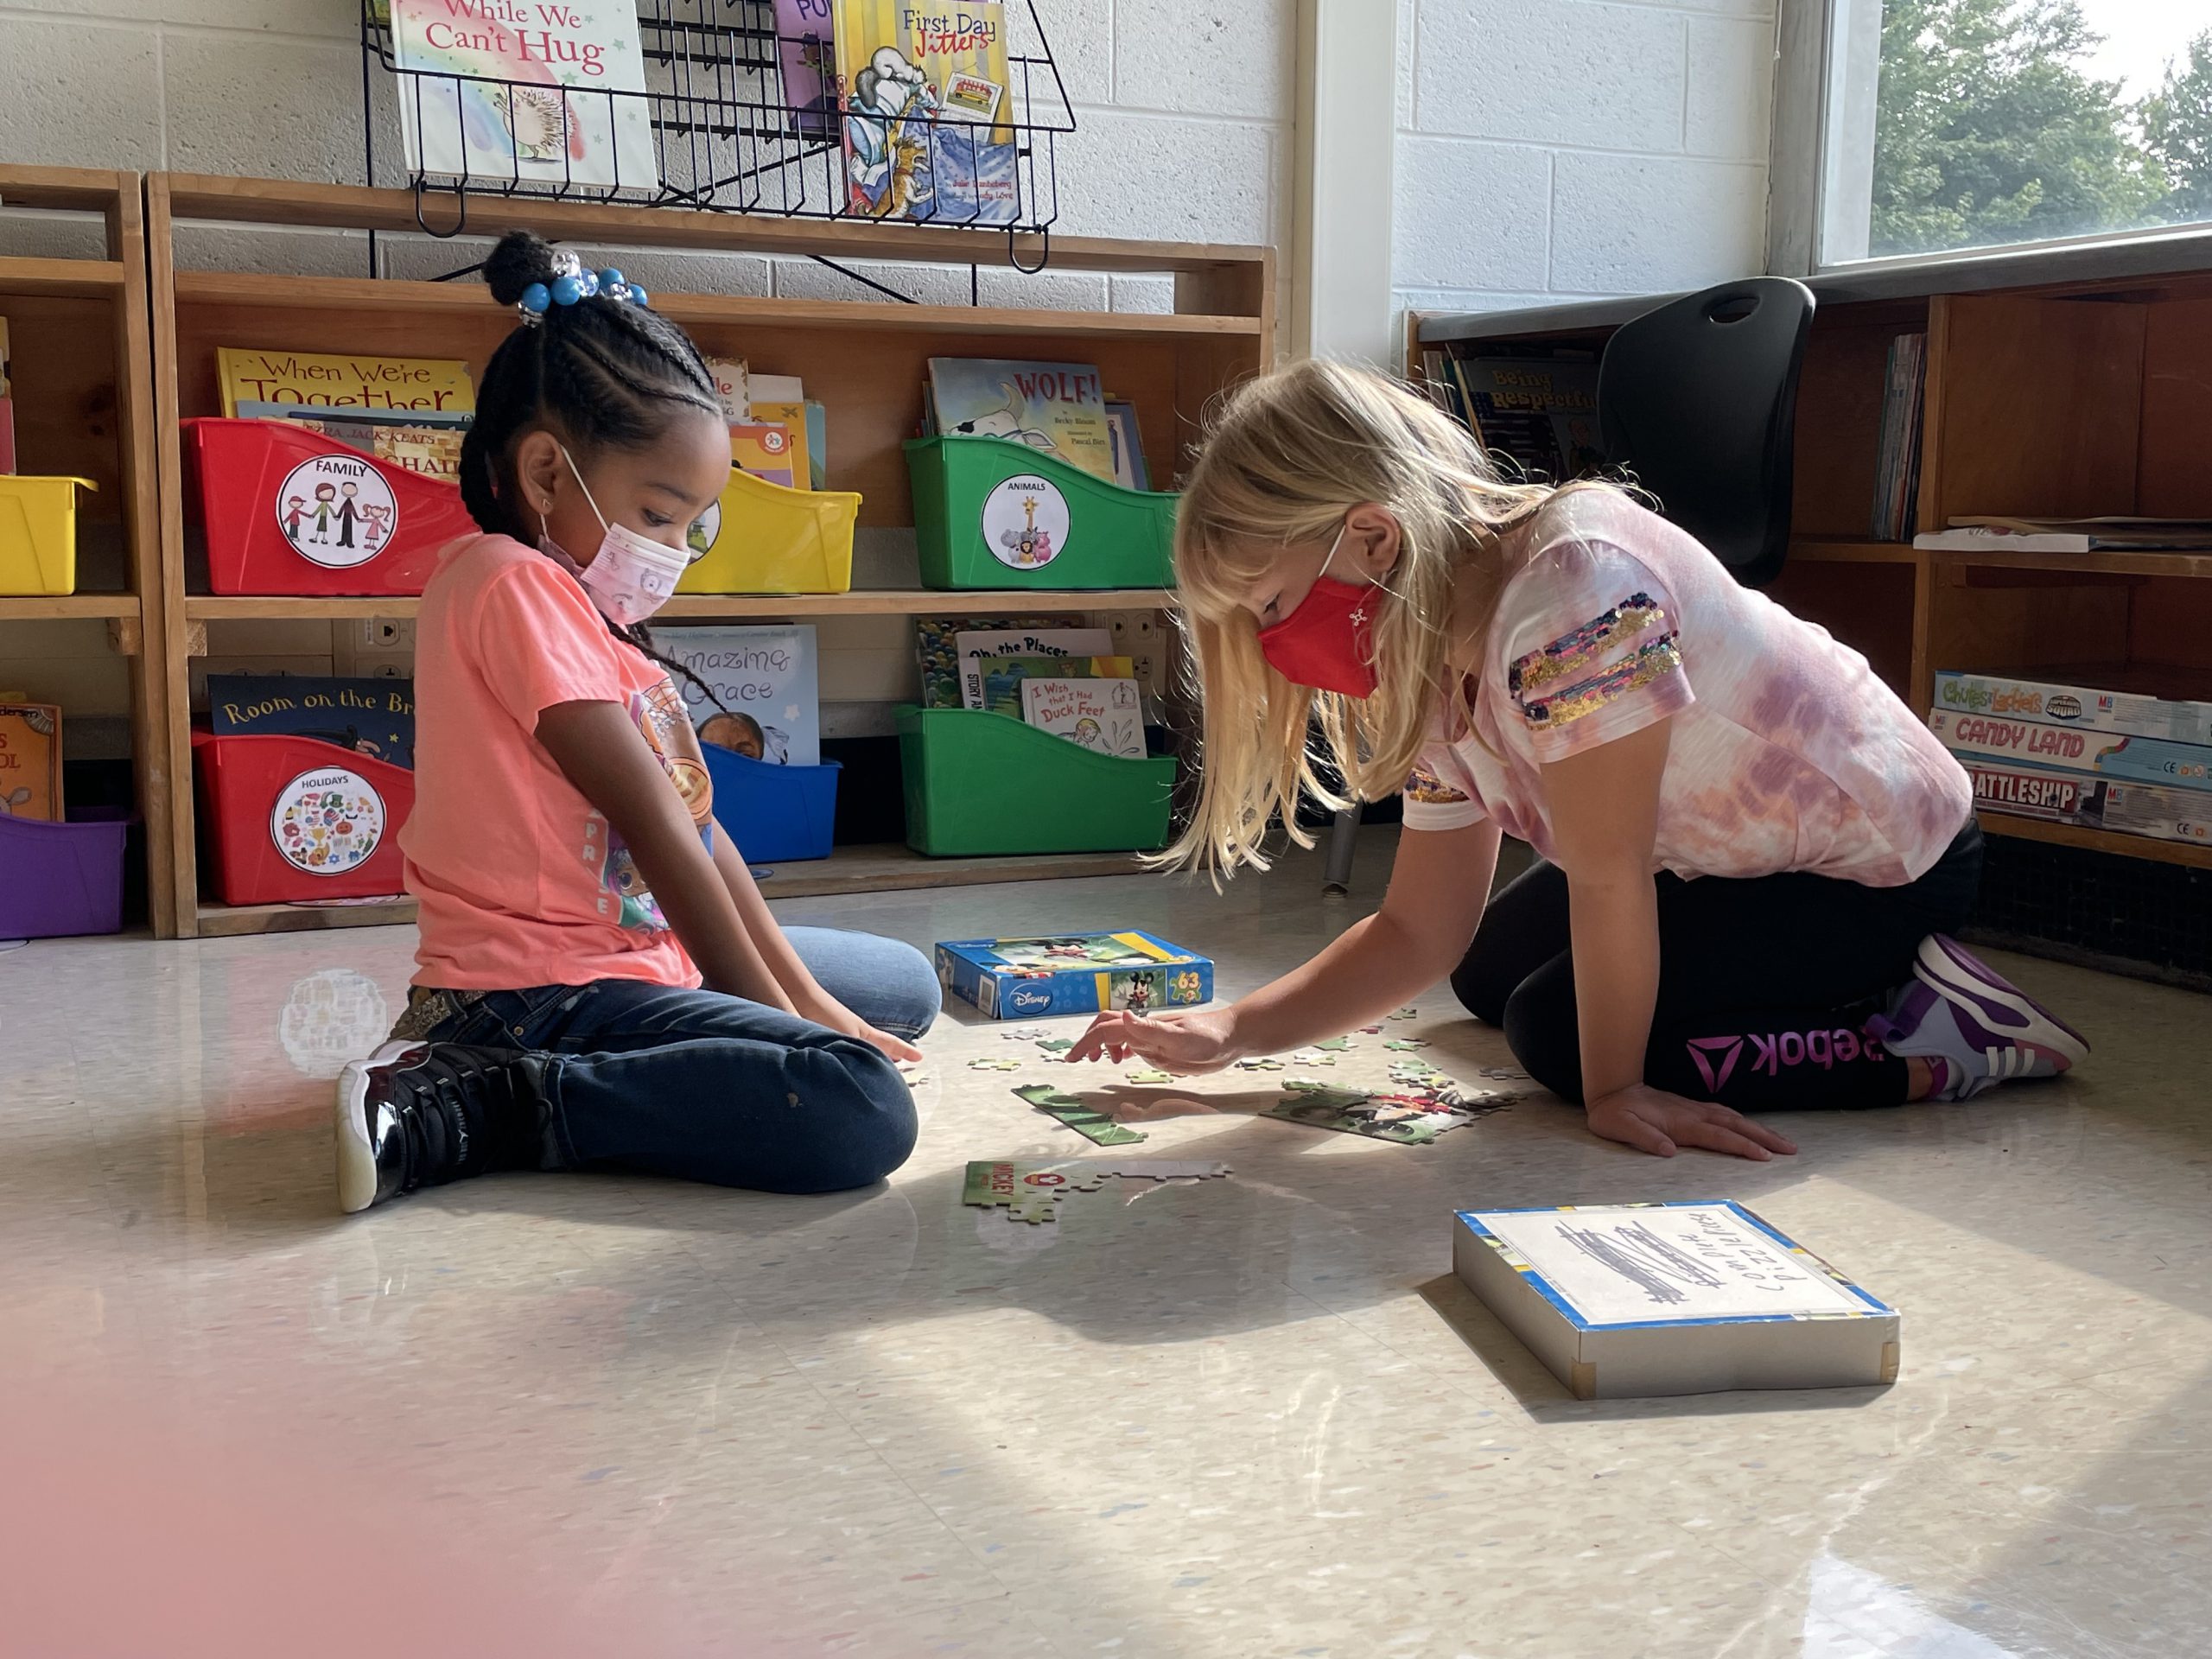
<point x="521" y="881"/>
<point x="1787" y="751"/>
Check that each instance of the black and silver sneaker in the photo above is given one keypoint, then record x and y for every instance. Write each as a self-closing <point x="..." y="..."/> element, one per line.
<point x="421" y="1114"/>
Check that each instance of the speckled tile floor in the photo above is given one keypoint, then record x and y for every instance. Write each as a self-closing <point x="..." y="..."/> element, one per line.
<point x="580" y="1415"/>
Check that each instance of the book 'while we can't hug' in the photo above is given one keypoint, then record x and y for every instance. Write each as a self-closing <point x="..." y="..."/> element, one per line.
<point x="1624" y="1301"/>
<point x="1073" y="973"/>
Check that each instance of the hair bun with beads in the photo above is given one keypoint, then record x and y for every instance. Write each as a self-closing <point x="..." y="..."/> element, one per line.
<point x="541" y="281"/>
<point x="521" y="258"/>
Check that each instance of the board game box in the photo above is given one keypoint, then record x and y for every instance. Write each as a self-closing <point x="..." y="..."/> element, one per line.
<point x="1623" y="1301"/>
<point x="1073" y="973"/>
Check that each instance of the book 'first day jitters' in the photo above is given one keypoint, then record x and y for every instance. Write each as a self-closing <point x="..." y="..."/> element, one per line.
<point x="928" y="127"/>
<point x="1073" y="973"/>
<point x="1622" y="1301"/>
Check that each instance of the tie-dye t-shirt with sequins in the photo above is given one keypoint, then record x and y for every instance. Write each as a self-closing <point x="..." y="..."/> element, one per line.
<point x="1787" y="751"/>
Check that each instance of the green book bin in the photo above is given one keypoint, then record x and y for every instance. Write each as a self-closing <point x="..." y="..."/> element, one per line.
<point x="978" y="783"/>
<point x="990" y="513"/>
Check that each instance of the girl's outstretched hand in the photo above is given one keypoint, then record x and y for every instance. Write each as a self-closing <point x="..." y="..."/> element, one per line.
<point x="1194" y="1041"/>
<point x="1653" y="1120"/>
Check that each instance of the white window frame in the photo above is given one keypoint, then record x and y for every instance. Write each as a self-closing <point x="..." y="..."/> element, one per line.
<point x="1818" y="203"/>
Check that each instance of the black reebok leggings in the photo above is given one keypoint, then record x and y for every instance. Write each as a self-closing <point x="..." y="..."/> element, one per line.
<point x="1764" y="985"/>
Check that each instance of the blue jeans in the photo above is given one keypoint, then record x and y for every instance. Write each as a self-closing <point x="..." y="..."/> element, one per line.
<point x="705" y="1087"/>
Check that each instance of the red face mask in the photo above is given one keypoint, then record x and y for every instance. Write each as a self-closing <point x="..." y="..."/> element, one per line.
<point x="1325" y="642"/>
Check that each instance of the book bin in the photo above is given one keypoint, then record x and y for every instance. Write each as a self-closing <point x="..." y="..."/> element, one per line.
<point x="38" y="534"/>
<point x="990" y="513"/>
<point x="775" y="814"/>
<point x="291" y="820"/>
<point x="763" y="538"/>
<point x="58" y="880"/>
<point x="980" y="783"/>
<point x="289" y="511"/>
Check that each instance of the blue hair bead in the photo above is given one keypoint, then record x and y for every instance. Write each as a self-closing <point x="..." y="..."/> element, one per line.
<point x="588" y="281"/>
<point x="534" y="299"/>
<point x="567" y="290"/>
<point x="611" y="277"/>
<point x="638" y="296"/>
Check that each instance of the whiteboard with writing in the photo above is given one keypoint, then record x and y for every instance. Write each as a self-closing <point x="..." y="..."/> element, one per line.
<point x="1632" y="1264"/>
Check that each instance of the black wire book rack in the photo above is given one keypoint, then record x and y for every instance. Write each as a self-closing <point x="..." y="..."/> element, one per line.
<point x="737" y="106"/>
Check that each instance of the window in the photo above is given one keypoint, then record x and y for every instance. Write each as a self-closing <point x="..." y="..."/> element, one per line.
<point x="1952" y="124"/>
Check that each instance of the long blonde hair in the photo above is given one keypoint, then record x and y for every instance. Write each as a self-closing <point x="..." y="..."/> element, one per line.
<point x="1282" y="462"/>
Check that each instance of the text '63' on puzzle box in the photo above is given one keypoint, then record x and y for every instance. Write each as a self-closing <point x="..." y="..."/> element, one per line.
<point x="1073" y="973"/>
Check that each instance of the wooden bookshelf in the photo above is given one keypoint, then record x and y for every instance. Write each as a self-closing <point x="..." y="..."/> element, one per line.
<point x="2076" y="398"/>
<point x="864" y="358"/>
<point x="84" y="407"/>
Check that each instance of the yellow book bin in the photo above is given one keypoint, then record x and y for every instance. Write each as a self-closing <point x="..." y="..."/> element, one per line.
<point x="763" y="538"/>
<point x="38" y="534"/>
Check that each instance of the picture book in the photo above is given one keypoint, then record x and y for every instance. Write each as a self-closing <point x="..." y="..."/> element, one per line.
<point x="1079" y="973"/>
<point x="2073" y="705"/>
<point x="1060" y="408"/>
<point x="1541" y="412"/>
<point x="765" y="700"/>
<point x="2067" y="748"/>
<point x="971" y="646"/>
<point x="764" y="450"/>
<point x="928" y="133"/>
<point x="806" y="53"/>
<point x="1003" y="676"/>
<point x="369" y="716"/>
<point x="792" y="419"/>
<point x="937" y="651"/>
<point x="732" y="384"/>
<point x="386" y="384"/>
<point x="429" y="445"/>
<point x="1101" y="714"/>
<point x="1631" y="1300"/>
<point x="503" y="89"/>
<point x="7" y="406"/>
<point x="30" y="759"/>
<point x="1130" y="469"/>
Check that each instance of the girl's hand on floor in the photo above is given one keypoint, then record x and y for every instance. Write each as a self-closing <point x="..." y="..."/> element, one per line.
<point x="1653" y="1120"/>
<point x="1191" y="1042"/>
<point x="839" y="1018"/>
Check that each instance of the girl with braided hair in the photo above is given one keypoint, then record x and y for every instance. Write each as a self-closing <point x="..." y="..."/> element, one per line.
<point x="599" y="984"/>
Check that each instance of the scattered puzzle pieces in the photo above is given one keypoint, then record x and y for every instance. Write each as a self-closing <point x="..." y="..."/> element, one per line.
<point x="1031" y="1192"/>
<point x="989" y="1064"/>
<point x="1151" y="1077"/>
<point x="1261" y="1063"/>
<point x="1024" y="1034"/>
<point x="1505" y="1074"/>
<point x="1339" y="1045"/>
<point x="1404" y="1122"/>
<point x="1408" y="1011"/>
<point x="1093" y="1125"/>
<point x="1372" y="1030"/>
<point x="1056" y="1045"/>
<point x="1404" y="1045"/>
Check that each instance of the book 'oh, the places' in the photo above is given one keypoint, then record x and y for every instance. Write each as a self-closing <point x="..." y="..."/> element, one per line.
<point x="1622" y="1301"/>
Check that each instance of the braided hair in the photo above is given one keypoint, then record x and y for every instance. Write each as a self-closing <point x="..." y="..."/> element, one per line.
<point x="605" y="372"/>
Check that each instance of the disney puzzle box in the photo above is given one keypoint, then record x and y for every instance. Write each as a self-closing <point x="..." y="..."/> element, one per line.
<point x="1073" y="973"/>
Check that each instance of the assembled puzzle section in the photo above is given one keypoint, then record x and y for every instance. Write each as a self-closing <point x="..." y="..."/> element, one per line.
<point x="1073" y="973"/>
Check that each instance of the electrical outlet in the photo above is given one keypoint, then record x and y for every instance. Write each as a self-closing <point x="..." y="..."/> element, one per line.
<point x="1143" y="666"/>
<point x="1133" y="630"/>
<point x="387" y="633"/>
<point x="388" y="671"/>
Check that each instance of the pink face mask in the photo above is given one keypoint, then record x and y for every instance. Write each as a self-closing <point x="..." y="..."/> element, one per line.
<point x="632" y="577"/>
<point x="1325" y="642"/>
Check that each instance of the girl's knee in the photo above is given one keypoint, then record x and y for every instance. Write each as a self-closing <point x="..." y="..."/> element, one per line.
<point x="914" y="993"/>
<point x="1540" y="1030"/>
<point x="863" y="1122"/>
<point x="1482" y="991"/>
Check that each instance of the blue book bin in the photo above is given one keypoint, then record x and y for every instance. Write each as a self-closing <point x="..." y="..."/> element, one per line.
<point x="776" y="814"/>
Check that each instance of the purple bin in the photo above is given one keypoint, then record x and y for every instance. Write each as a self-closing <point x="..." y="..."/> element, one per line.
<point x="58" y="879"/>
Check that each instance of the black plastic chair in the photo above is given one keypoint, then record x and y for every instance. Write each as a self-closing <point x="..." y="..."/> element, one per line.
<point x="1698" y="400"/>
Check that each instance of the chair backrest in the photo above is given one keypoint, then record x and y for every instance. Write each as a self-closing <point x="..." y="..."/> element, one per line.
<point x="1699" y="400"/>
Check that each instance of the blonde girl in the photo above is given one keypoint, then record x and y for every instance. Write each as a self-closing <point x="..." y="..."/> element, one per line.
<point x="1750" y="853"/>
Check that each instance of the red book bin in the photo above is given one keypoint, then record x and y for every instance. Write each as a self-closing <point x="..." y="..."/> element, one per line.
<point x="289" y="511"/>
<point x="290" y="820"/>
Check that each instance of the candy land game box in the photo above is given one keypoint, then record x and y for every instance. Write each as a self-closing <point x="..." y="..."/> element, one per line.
<point x="1073" y="973"/>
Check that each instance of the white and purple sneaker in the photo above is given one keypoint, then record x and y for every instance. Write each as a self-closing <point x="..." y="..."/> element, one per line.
<point x="1980" y="1029"/>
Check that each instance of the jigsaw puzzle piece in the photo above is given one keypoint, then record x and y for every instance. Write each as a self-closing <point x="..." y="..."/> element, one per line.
<point x="1087" y="1121"/>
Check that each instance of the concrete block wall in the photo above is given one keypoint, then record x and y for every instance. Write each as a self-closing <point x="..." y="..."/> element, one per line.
<point x="1553" y="151"/>
<point x="1183" y="133"/>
